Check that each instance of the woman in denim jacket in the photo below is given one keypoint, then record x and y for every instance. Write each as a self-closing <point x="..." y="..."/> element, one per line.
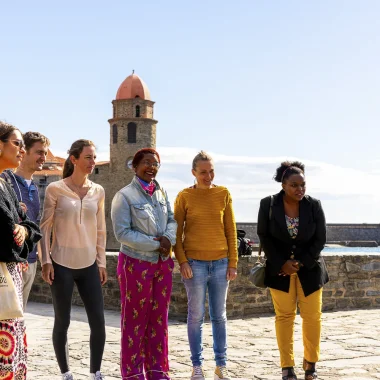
<point x="143" y="223"/>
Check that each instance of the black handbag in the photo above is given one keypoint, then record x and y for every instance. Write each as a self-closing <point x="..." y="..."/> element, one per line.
<point x="257" y="273"/>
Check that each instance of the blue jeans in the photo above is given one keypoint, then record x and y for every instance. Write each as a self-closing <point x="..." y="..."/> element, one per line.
<point x="211" y="276"/>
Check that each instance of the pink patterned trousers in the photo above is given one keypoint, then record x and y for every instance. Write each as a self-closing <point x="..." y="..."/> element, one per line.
<point x="145" y="290"/>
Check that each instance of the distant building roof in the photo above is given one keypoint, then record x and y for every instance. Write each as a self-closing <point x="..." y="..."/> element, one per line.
<point x="52" y="166"/>
<point x="60" y="160"/>
<point x="51" y="158"/>
<point x="48" y="172"/>
<point x="100" y="163"/>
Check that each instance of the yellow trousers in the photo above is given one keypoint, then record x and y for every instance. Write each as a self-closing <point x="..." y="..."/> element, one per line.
<point x="285" y="306"/>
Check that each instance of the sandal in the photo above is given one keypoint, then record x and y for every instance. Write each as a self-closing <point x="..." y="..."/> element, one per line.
<point x="291" y="375"/>
<point x="311" y="372"/>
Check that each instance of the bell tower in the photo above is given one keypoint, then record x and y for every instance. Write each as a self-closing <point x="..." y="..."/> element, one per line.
<point x="132" y="127"/>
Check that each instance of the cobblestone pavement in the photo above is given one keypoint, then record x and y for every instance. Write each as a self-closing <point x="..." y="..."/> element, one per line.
<point x="350" y="346"/>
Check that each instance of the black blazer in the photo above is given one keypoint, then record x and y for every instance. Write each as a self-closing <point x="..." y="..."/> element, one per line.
<point x="306" y="247"/>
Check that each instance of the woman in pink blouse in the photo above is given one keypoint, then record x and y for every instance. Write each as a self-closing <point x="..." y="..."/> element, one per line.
<point x="74" y="217"/>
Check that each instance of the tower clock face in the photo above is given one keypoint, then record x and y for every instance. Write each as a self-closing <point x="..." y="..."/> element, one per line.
<point x="129" y="163"/>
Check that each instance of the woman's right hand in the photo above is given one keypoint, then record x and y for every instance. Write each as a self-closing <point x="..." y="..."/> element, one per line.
<point x="186" y="271"/>
<point x="20" y="234"/>
<point x="48" y="273"/>
<point x="165" y="245"/>
<point x="290" y="267"/>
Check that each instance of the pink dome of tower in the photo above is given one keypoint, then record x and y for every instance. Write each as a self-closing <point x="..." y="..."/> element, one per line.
<point x="133" y="87"/>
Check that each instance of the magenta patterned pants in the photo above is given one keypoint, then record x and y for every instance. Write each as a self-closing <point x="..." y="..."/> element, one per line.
<point x="145" y="290"/>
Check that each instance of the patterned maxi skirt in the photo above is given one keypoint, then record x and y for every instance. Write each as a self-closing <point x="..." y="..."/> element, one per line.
<point x="13" y="347"/>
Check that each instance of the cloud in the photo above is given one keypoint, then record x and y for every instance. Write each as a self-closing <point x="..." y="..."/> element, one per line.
<point x="374" y="166"/>
<point x="348" y="195"/>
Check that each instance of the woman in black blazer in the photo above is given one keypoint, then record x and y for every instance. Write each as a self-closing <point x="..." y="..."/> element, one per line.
<point x="292" y="231"/>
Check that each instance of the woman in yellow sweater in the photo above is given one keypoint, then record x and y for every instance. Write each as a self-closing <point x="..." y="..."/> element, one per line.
<point x="206" y="250"/>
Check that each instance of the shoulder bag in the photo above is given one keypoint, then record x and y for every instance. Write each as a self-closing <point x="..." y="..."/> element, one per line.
<point x="10" y="304"/>
<point x="257" y="274"/>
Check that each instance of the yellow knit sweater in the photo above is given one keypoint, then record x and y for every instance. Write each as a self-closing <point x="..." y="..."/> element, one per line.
<point x="206" y="225"/>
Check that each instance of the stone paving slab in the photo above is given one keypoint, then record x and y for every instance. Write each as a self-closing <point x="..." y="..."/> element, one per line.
<point x="350" y="346"/>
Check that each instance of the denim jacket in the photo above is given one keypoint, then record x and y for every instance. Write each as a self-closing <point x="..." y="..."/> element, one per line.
<point x="138" y="218"/>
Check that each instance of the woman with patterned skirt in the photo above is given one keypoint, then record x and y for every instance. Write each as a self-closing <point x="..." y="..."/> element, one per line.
<point x="143" y="223"/>
<point x="18" y="237"/>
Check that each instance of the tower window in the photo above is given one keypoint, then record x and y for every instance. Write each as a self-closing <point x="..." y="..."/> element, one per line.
<point x="114" y="134"/>
<point x="137" y="111"/>
<point x="132" y="128"/>
<point x="96" y="171"/>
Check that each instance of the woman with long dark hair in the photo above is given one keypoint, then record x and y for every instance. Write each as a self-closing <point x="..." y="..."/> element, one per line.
<point x="18" y="238"/>
<point x="292" y="239"/>
<point x="74" y="217"/>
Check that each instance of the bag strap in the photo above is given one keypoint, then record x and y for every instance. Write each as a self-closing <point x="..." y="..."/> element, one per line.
<point x="270" y="208"/>
<point x="269" y="219"/>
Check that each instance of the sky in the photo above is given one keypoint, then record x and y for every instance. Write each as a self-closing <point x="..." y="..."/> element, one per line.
<point x="251" y="82"/>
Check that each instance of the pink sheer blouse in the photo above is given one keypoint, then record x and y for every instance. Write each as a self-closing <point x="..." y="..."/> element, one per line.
<point x="77" y="226"/>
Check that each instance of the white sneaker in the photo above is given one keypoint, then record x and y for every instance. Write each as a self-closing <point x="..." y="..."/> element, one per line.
<point x="67" y="376"/>
<point x="221" y="372"/>
<point x="97" y="376"/>
<point x="197" y="373"/>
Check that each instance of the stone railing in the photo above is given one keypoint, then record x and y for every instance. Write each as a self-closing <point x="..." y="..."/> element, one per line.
<point x="336" y="232"/>
<point x="354" y="283"/>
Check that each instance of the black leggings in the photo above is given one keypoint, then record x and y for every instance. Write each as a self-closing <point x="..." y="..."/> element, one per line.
<point x="90" y="291"/>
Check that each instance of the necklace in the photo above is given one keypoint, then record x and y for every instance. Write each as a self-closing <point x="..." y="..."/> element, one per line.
<point x="79" y="190"/>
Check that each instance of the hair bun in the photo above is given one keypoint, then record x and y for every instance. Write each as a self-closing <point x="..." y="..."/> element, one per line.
<point x="287" y="168"/>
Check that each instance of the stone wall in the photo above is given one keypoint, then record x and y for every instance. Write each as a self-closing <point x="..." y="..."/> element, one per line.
<point x="126" y="108"/>
<point x="42" y="182"/>
<point x="355" y="283"/>
<point x="336" y="232"/>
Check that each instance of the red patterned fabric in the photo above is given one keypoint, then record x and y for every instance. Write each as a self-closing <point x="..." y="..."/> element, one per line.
<point x="13" y="346"/>
<point x="145" y="290"/>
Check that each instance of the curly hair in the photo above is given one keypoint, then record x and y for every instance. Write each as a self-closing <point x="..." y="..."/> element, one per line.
<point x="288" y="168"/>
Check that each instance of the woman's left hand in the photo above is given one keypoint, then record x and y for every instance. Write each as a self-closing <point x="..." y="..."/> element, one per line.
<point x="165" y="244"/>
<point x="19" y="234"/>
<point x="103" y="275"/>
<point x="23" y="206"/>
<point x="231" y="274"/>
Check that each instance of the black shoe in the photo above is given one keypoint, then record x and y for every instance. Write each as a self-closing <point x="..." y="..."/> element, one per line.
<point x="310" y="372"/>
<point x="290" y="374"/>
